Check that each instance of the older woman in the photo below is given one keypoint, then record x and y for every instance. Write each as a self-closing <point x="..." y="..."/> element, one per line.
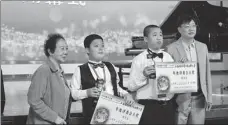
<point x="49" y="94"/>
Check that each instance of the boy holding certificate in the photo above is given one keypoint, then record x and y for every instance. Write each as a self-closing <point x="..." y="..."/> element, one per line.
<point x="158" y="110"/>
<point x="94" y="76"/>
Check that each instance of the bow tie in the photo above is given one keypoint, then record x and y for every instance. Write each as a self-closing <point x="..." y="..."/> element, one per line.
<point x="160" y="55"/>
<point x="96" y="65"/>
<point x="153" y="54"/>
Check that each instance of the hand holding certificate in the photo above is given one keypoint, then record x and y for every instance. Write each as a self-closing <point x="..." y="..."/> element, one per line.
<point x="113" y="110"/>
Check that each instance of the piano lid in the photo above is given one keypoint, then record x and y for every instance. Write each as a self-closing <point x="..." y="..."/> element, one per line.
<point x="211" y="18"/>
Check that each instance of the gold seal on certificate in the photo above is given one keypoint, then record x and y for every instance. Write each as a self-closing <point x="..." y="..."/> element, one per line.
<point x="101" y="115"/>
<point x="163" y="83"/>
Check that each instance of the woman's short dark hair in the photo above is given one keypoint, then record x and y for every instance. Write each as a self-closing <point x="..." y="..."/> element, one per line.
<point x="185" y="18"/>
<point x="146" y="30"/>
<point x="89" y="39"/>
<point x="50" y="43"/>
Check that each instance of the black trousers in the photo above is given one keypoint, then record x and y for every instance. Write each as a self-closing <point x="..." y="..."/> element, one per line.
<point x="158" y="112"/>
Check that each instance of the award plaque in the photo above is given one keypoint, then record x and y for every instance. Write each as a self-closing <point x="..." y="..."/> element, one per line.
<point x="100" y="84"/>
<point x="152" y="76"/>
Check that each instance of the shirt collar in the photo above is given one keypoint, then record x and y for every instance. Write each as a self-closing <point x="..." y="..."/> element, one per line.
<point x="53" y="65"/>
<point x="160" y="51"/>
<point x="95" y="62"/>
<point x="187" y="46"/>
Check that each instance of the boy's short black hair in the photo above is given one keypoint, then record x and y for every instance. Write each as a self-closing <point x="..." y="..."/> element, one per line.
<point x="89" y="39"/>
<point x="185" y="18"/>
<point x="146" y="30"/>
<point x="50" y="42"/>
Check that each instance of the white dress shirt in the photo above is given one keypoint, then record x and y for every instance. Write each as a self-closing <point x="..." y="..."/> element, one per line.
<point x="190" y="51"/>
<point x="76" y="87"/>
<point x="138" y="82"/>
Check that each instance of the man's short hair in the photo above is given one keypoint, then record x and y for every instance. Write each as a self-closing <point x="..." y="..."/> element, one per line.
<point x="89" y="39"/>
<point x="146" y="30"/>
<point x="185" y="18"/>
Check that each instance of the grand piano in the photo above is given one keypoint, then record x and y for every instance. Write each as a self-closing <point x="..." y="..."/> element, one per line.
<point x="213" y="31"/>
<point x="212" y="21"/>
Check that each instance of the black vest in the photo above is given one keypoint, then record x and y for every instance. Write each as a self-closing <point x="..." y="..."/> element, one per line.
<point x="88" y="81"/>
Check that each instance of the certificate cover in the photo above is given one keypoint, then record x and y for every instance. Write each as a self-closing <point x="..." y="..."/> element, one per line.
<point x="176" y="77"/>
<point x="113" y="110"/>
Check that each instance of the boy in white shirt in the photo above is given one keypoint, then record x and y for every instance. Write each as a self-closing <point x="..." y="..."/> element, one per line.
<point x="86" y="78"/>
<point x="158" y="110"/>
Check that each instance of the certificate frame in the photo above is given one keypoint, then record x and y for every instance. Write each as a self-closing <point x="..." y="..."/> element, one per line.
<point x="176" y="77"/>
<point x="114" y="110"/>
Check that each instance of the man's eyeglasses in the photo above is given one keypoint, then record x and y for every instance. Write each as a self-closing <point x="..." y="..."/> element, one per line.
<point x="189" y="26"/>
